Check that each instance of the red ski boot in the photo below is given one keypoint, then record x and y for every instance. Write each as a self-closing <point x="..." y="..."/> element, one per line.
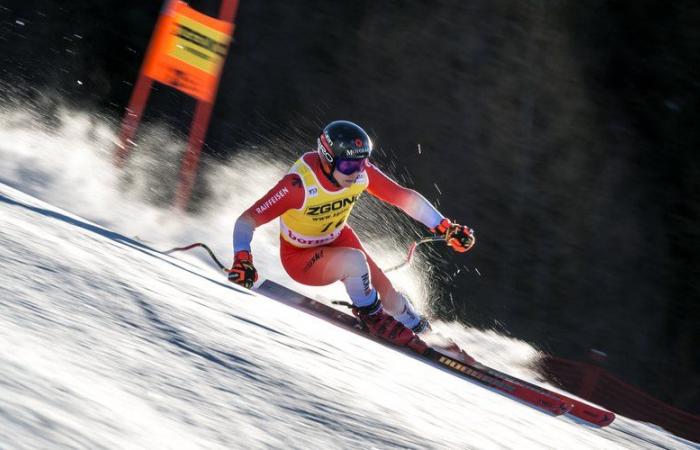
<point x="382" y="325"/>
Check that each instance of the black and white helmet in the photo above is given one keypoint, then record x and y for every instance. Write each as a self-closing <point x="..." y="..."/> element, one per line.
<point x="343" y="140"/>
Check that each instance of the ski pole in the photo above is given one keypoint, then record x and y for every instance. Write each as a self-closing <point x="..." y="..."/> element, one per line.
<point x="412" y="250"/>
<point x="198" y="244"/>
<point x="409" y="258"/>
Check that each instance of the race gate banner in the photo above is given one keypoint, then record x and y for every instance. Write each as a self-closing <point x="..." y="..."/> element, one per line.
<point x="188" y="51"/>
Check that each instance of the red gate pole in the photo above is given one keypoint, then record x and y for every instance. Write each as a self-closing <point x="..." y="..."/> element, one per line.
<point x="198" y="131"/>
<point x="132" y="119"/>
<point x="188" y="171"/>
<point x="137" y="103"/>
<point x="228" y="9"/>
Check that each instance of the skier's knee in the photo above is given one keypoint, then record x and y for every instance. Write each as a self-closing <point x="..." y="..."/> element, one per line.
<point x="356" y="263"/>
<point x="357" y="278"/>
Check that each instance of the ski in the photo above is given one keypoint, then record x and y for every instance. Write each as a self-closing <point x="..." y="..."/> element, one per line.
<point x="523" y="391"/>
<point x="584" y="411"/>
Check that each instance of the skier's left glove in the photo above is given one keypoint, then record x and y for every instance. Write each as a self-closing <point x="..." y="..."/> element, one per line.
<point x="459" y="237"/>
<point x="243" y="271"/>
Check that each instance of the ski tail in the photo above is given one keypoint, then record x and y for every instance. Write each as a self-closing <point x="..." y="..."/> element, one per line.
<point x="589" y="413"/>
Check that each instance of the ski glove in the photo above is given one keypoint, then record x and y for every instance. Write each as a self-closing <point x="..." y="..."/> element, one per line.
<point x="243" y="271"/>
<point x="459" y="237"/>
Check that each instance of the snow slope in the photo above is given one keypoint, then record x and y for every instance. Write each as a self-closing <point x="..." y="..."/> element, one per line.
<point x="107" y="343"/>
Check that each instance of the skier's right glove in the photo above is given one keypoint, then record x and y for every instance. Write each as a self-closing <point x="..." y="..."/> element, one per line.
<point x="243" y="271"/>
<point x="459" y="237"/>
<point x="384" y="326"/>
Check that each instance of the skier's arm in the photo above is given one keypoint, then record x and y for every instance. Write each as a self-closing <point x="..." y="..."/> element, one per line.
<point x="408" y="200"/>
<point x="459" y="237"/>
<point x="287" y="194"/>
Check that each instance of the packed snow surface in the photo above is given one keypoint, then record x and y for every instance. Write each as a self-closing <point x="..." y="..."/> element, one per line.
<point x="105" y="342"/>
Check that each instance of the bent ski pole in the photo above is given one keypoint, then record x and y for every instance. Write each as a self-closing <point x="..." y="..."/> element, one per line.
<point x="198" y="244"/>
<point x="412" y="250"/>
<point x="409" y="257"/>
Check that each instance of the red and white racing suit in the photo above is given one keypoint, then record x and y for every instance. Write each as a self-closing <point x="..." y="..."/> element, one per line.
<point x="317" y="246"/>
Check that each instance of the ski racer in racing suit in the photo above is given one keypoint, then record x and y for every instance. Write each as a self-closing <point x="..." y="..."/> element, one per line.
<point x="317" y="246"/>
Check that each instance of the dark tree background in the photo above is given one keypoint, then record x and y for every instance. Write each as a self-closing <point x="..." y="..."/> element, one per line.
<point x="564" y="132"/>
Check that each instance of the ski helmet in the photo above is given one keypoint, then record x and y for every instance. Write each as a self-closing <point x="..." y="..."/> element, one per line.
<point x="343" y="143"/>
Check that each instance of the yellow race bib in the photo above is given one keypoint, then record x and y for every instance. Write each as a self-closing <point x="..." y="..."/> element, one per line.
<point x="323" y="214"/>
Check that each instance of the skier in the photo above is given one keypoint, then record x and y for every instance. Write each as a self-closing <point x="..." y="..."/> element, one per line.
<point x="317" y="246"/>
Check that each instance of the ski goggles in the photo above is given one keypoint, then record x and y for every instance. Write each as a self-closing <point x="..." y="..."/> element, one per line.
<point x="350" y="166"/>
